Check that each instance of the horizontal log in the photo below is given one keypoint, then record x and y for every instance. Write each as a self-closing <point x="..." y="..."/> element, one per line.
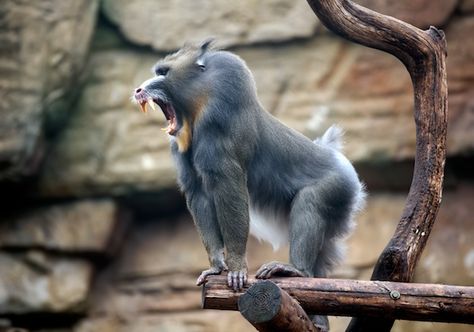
<point x="340" y="297"/>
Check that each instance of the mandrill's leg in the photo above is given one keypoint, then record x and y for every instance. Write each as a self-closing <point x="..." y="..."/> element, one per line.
<point x="306" y="237"/>
<point x="308" y="229"/>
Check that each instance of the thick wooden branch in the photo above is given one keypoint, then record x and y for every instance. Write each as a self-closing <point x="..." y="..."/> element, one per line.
<point x="424" y="55"/>
<point x="269" y="308"/>
<point x="339" y="297"/>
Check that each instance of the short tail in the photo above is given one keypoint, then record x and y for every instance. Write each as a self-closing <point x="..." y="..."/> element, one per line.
<point x="332" y="138"/>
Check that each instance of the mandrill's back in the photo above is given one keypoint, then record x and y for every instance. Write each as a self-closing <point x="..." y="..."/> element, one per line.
<point x="286" y="161"/>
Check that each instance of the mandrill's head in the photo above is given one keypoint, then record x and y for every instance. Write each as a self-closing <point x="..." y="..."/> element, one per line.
<point x="195" y="81"/>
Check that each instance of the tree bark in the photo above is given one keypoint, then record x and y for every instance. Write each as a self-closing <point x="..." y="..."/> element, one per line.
<point x="339" y="297"/>
<point x="424" y="55"/>
<point x="269" y="308"/>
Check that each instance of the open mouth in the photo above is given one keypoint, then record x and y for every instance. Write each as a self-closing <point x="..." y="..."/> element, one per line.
<point x="168" y="111"/>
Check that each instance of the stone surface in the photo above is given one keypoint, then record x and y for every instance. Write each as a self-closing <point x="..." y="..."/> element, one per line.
<point x="407" y="326"/>
<point x="461" y="86"/>
<point x="217" y="321"/>
<point x="373" y="106"/>
<point x="110" y="147"/>
<point x="36" y="282"/>
<point x="194" y="321"/>
<point x="167" y="25"/>
<point x="467" y="6"/>
<point x="83" y="226"/>
<point x="452" y="233"/>
<point x="43" y="48"/>
<point x="420" y="13"/>
<point x="449" y="254"/>
<point x="375" y="225"/>
<point x="170" y="24"/>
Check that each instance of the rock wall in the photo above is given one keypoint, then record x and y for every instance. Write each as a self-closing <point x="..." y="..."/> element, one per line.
<point x="93" y="233"/>
<point x="43" y="48"/>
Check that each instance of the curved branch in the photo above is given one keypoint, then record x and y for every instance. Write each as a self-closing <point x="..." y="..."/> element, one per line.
<point x="424" y="55"/>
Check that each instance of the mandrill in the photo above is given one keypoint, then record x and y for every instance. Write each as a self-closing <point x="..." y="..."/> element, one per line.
<point x="243" y="171"/>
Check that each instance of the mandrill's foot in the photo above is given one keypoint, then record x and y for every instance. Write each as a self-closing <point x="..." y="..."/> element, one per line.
<point x="278" y="269"/>
<point x="204" y="274"/>
<point x="237" y="279"/>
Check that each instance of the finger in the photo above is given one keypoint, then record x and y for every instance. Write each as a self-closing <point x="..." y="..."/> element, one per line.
<point x="261" y="272"/>
<point x="261" y="269"/>
<point x="265" y="274"/>
<point x="241" y="280"/>
<point x="229" y="279"/>
<point x="201" y="279"/>
<point x="236" y="281"/>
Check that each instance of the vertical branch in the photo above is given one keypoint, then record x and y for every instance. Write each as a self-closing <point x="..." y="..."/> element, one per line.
<point x="424" y="55"/>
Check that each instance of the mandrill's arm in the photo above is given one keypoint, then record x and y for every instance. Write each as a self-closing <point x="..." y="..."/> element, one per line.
<point x="225" y="181"/>
<point x="204" y="216"/>
<point x="202" y="209"/>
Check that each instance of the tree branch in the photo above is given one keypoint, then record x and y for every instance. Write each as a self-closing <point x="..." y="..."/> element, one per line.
<point x="424" y="55"/>
<point x="339" y="297"/>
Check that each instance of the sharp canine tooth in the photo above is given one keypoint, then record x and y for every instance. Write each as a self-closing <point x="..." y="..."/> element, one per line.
<point x="143" y="107"/>
<point x="152" y="104"/>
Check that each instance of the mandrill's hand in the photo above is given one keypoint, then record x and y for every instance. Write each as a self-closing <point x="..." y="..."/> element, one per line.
<point x="209" y="272"/>
<point x="217" y="266"/>
<point x="237" y="276"/>
<point x="237" y="279"/>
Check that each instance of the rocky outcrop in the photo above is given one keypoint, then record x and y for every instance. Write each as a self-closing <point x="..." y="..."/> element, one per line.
<point x="246" y="22"/>
<point x="43" y="48"/>
<point x="48" y="254"/>
<point x="420" y="13"/>
<point x="109" y="147"/>
<point x="38" y="282"/>
<point x="449" y="254"/>
<point x="170" y="23"/>
<point x="461" y="86"/>
<point x="83" y="226"/>
<point x="467" y="6"/>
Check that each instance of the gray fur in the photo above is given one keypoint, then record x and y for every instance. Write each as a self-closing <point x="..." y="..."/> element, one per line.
<point x="332" y="138"/>
<point x="242" y="157"/>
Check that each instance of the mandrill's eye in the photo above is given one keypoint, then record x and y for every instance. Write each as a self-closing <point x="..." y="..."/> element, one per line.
<point x="162" y="70"/>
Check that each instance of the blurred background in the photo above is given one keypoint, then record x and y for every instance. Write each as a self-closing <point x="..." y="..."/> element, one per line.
<point x="94" y="235"/>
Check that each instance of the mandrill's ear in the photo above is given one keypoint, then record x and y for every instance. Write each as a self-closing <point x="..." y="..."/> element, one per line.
<point x="206" y="45"/>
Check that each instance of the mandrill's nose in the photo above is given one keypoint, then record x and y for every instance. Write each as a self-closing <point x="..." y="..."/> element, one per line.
<point x="139" y="94"/>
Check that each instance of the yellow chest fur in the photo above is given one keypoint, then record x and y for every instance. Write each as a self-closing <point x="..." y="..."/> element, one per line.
<point x="184" y="138"/>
